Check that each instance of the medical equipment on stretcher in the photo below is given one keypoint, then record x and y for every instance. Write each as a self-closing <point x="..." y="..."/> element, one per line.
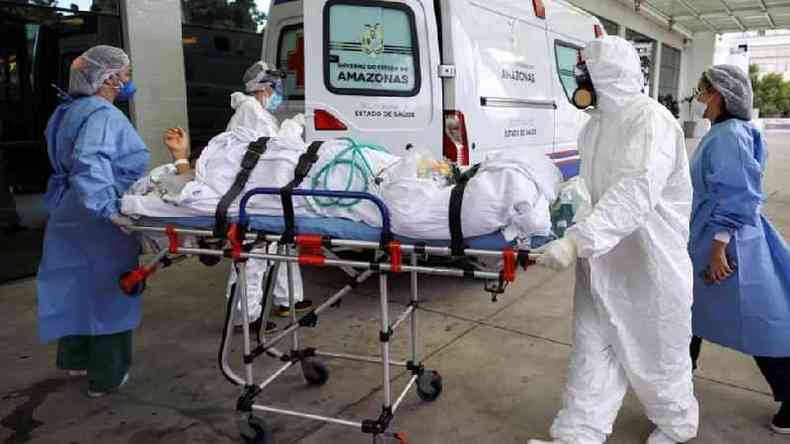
<point x="390" y="256"/>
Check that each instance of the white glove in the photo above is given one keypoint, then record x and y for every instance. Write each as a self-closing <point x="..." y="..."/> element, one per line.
<point x="122" y="222"/>
<point x="559" y="254"/>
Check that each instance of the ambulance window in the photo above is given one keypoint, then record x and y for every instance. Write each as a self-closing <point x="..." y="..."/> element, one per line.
<point x="567" y="57"/>
<point x="290" y="57"/>
<point x="370" y="49"/>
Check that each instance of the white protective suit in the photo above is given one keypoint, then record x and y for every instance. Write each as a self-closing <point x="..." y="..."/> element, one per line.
<point x="250" y="114"/>
<point x="632" y="307"/>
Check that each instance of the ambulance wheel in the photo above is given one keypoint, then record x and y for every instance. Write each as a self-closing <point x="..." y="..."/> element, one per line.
<point x="256" y="431"/>
<point x="429" y="386"/>
<point x="315" y="372"/>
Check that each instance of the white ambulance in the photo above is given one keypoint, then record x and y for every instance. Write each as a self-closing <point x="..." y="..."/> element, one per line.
<point x="462" y="78"/>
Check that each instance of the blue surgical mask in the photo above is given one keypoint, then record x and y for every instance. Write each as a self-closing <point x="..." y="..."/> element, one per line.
<point x="126" y="91"/>
<point x="274" y="102"/>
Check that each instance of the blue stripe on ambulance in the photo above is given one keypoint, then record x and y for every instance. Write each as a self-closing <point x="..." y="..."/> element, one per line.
<point x="567" y="161"/>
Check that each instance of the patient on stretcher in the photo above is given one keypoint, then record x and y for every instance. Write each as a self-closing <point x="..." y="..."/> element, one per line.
<point x="510" y="193"/>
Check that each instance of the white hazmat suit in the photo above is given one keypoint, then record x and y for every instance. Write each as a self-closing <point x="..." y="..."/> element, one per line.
<point x="632" y="307"/>
<point x="250" y="114"/>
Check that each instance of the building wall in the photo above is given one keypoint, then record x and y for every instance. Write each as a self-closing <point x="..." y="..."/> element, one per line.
<point x="628" y="19"/>
<point x="626" y="16"/>
<point x="153" y="40"/>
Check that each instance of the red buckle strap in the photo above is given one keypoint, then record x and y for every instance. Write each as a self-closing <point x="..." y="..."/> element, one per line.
<point x="311" y="249"/>
<point x="315" y="260"/>
<point x="313" y="241"/>
<point x="172" y="236"/>
<point x="234" y="238"/>
<point x="396" y="257"/>
<point x="509" y="267"/>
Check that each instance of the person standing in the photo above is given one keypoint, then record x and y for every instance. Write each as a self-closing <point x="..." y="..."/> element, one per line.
<point x="741" y="263"/>
<point x="96" y="155"/>
<point x="632" y="305"/>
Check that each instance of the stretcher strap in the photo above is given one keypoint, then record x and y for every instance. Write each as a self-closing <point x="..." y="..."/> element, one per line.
<point x="254" y="152"/>
<point x="457" y="245"/>
<point x="306" y="162"/>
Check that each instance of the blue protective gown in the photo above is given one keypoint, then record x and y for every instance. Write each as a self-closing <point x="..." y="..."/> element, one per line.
<point x="749" y="311"/>
<point x="96" y="155"/>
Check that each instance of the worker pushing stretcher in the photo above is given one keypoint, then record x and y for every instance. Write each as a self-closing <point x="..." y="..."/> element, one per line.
<point x="265" y="195"/>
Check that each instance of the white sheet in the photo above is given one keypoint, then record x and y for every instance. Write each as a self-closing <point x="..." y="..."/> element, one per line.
<point x="510" y="193"/>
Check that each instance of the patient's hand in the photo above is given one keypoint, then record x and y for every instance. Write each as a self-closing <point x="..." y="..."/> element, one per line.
<point x="177" y="142"/>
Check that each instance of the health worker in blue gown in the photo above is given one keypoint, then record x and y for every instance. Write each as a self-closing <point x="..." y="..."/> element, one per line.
<point x="96" y="155"/>
<point x="741" y="263"/>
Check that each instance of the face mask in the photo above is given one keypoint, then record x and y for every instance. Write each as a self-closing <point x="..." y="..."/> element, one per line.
<point x="698" y="109"/>
<point x="126" y="91"/>
<point x="274" y="102"/>
<point x="584" y="96"/>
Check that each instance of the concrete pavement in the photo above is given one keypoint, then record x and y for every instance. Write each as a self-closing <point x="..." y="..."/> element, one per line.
<point x="503" y="365"/>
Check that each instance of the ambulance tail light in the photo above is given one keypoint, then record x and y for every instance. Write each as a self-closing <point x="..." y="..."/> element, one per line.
<point x="598" y="31"/>
<point x="456" y="144"/>
<point x="325" y="121"/>
<point x="540" y="8"/>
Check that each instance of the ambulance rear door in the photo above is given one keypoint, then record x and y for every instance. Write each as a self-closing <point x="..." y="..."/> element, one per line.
<point x="371" y="73"/>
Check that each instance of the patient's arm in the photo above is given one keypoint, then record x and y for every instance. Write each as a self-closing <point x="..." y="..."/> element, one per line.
<point x="177" y="142"/>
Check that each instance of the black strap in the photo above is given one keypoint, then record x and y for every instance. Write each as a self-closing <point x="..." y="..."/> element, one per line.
<point x="303" y="166"/>
<point x="457" y="244"/>
<point x="254" y="152"/>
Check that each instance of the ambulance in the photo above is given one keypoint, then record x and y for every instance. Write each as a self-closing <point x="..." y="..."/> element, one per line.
<point x="461" y="78"/>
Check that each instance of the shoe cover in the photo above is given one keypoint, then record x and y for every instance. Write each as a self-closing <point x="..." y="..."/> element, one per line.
<point x="659" y="437"/>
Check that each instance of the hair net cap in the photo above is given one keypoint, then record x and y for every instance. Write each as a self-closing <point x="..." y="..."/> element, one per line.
<point x="258" y="77"/>
<point x="735" y="87"/>
<point x="91" y="69"/>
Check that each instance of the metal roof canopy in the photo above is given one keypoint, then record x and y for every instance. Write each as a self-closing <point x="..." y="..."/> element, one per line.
<point x="717" y="16"/>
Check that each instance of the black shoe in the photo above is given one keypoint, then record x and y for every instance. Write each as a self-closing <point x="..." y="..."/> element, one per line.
<point x="284" y="311"/>
<point x="781" y="422"/>
<point x="270" y="327"/>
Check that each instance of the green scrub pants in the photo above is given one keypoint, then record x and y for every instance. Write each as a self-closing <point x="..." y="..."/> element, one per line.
<point x="107" y="358"/>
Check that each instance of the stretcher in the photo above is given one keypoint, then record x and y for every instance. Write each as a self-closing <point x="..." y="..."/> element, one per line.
<point x="309" y="242"/>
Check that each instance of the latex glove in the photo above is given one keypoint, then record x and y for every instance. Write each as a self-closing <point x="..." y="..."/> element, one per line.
<point x="559" y="254"/>
<point x="122" y="222"/>
<point x="177" y="142"/>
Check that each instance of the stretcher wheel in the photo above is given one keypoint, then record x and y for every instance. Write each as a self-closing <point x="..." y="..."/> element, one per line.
<point x="391" y="438"/>
<point x="315" y="372"/>
<point x="256" y="431"/>
<point x="429" y="386"/>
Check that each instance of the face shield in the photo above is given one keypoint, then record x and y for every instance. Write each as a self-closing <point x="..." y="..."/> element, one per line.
<point x="263" y="78"/>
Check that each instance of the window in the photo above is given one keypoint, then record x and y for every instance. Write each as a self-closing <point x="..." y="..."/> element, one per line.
<point x="612" y="28"/>
<point x="38" y="41"/>
<point x="370" y="48"/>
<point x="646" y="48"/>
<point x="96" y="6"/>
<point x="567" y="57"/>
<point x="290" y="58"/>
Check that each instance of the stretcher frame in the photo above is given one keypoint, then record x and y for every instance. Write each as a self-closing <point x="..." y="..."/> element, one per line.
<point x="315" y="250"/>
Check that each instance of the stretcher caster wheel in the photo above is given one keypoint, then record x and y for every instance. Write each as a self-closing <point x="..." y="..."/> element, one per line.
<point x="256" y="431"/>
<point x="391" y="438"/>
<point x="315" y="372"/>
<point x="429" y="386"/>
